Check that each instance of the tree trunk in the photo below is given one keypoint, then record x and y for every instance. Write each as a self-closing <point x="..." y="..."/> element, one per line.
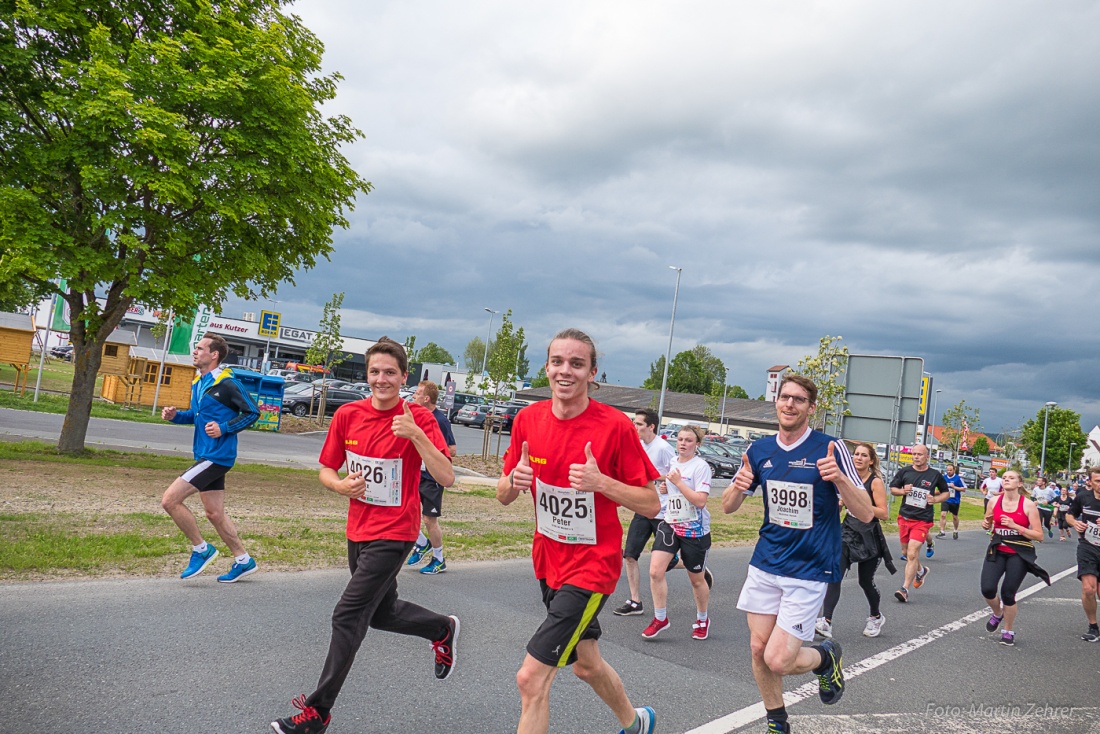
<point x="87" y="358"/>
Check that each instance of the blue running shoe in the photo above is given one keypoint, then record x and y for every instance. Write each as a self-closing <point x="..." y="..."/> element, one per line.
<point x="830" y="681"/>
<point x="199" y="562"/>
<point x="238" y="571"/>
<point x="418" y="552"/>
<point x="931" y="551"/>
<point x="434" y="566"/>
<point x="647" y="720"/>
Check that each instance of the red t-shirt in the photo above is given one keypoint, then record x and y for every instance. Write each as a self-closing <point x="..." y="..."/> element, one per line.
<point x="360" y="428"/>
<point x="553" y="445"/>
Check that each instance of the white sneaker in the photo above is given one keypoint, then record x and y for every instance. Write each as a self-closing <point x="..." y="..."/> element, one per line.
<point x="824" y="628"/>
<point x="874" y="625"/>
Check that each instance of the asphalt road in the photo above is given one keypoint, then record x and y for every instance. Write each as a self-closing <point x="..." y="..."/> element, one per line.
<point x="164" y="655"/>
<point x="266" y="447"/>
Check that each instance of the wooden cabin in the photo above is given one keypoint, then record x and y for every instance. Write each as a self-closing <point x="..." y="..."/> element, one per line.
<point x="16" y="337"/>
<point x="116" y="353"/>
<point x="139" y="385"/>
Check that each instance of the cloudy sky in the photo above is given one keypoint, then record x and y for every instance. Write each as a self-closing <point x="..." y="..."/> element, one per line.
<point x="918" y="177"/>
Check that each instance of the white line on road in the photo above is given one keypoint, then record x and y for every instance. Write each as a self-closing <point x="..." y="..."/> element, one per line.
<point x="749" y="714"/>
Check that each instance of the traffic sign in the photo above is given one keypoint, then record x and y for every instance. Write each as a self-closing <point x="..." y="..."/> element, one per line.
<point x="269" y="323"/>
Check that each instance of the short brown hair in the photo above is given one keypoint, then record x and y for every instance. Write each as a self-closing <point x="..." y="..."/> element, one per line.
<point x="802" y="381"/>
<point x="385" y="345"/>
<point x="431" y="389"/>
<point x="648" y="415"/>
<point x="1094" y="470"/>
<point x="699" y="432"/>
<point x="218" y="345"/>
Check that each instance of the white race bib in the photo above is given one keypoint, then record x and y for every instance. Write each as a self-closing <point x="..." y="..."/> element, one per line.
<point x="565" y="515"/>
<point x="679" y="510"/>
<point x="383" y="478"/>
<point x="917" y="497"/>
<point x="790" y="504"/>
<point x="1092" y="533"/>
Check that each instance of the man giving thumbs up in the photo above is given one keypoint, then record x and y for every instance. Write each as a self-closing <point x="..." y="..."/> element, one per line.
<point x="579" y="460"/>
<point x="798" y="554"/>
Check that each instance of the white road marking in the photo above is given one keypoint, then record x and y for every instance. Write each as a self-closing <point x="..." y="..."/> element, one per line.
<point x="749" y="714"/>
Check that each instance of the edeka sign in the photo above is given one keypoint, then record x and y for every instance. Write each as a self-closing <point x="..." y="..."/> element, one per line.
<point x="297" y="335"/>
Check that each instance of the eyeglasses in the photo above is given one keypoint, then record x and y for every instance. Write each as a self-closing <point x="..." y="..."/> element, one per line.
<point x="796" y="399"/>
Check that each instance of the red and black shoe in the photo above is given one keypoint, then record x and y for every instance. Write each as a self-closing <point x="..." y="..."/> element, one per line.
<point x="444" y="649"/>
<point x="307" y="722"/>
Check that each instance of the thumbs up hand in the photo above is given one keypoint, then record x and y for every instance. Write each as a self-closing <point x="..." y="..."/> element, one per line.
<point x="827" y="466"/>
<point x="743" y="479"/>
<point x="404" y="425"/>
<point x="586" y="477"/>
<point x="523" y="476"/>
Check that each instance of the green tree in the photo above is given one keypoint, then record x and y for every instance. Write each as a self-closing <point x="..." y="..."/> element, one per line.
<point x="980" y="446"/>
<point x="1063" y="428"/>
<point x="327" y="348"/>
<point x="504" y="356"/>
<point x="736" y="391"/>
<point x="473" y="359"/>
<point x="656" y="374"/>
<point x="952" y="429"/>
<point x="694" y="371"/>
<point x="541" y="380"/>
<point x="164" y="154"/>
<point x="434" y="354"/>
<point x="825" y="369"/>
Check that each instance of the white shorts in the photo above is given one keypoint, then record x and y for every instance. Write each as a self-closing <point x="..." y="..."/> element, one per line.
<point x="795" y="603"/>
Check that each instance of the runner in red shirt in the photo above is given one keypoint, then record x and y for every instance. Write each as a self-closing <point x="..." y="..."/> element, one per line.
<point x="383" y="441"/>
<point x="580" y="460"/>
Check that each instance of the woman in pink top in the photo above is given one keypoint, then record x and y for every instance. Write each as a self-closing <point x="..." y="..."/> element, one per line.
<point x="1014" y="520"/>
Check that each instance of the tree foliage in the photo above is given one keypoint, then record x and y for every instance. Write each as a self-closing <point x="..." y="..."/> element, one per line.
<point x="1063" y="428"/>
<point x="825" y="369"/>
<point x="541" y="380"/>
<point x="162" y="153"/>
<point x="473" y="359"/>
<point x="696" y="371"/>
<point x="951" y="425"/>
<point x="432" y="353"/>
<point x="503" y="356"/>
<point x="980" y="446"/>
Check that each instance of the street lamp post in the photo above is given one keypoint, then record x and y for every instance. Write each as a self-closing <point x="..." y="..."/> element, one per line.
<point x="932" y="430"/>
<point x="668" y="352"/>
<point x="1069" y="463"/>
<point x="488" y="335"/>
<point x="1046" y="421"/>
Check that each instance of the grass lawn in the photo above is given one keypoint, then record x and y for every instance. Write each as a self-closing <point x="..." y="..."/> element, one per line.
<point x="57" y="375"/>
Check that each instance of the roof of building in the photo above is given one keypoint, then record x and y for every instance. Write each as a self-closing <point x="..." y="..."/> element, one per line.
<point x="154" y="355"/>
<point x="122" y="336"/>
<point x="17" y="321"/>
<point x="778" y="367"/>
<point x="972" y="436"/>
<point x="683" y="406"/>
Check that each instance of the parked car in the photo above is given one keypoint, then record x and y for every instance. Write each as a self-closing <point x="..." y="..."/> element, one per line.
<point x="720" y="465"/>
<point x="733" y="453"/>
<point x="64" y="351"/>
<point x="331" y="383"/>
<point x="505" y="415"/>
<point x="297" y="402"/>
<point x="472" y="415"/>
<point x="461" y="399"/>
<point x="361" y="387"/>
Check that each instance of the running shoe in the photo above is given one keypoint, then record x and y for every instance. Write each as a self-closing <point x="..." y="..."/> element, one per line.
<point x="931" y="551"/>
<point x="1050" y="533"/>
<point x="941" y="534"/>
<point x="238" y="571"/>
<point x="199" y="562"/>
<point x="922" y="574"/>
<point x="993" y="623"/>
<point x="830" y="684"/>
<point x="902" y="556"/>
<point x="434" y="566"/>
<point x="955" y="535"/>
<point x="824" y="628"/>
<point x="647" y="720"/>
<point x="708" y="577"/>
<point x="1092" y="635"/>
<point x="418" y="552"/>
<point x="444" y="649"/>
<point x="1008" y="638"/>
<point x="307" y="722"/>
<point x="672" y="564"/>
<point x="630" y="608"/>
<point x="655" y="628"/>
<point x="701" y="629"/>
<point x="778" y="727"/>
<point x="874" y="625"/>
<point x="902" y="595"/>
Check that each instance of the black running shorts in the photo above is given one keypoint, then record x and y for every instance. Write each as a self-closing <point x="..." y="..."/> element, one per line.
<point x="1088" y="559"/>
<point x="638" y="534"/>
<point x="570" y="617"/>
<point x="431" y="497"/>
<point x="693" y="551"/>
<point x="206" y="476"/>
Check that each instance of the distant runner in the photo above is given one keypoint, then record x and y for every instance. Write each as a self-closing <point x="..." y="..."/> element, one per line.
<point x="1084" y="516"/>
<point x="921" y="486"/>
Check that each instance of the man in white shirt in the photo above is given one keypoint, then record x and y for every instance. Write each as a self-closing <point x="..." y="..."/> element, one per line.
<point x="991" y="487"/>
<point x="641" y="527"/>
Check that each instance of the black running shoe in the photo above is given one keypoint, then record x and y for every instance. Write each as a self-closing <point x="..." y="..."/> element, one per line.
<point x="444" y="649"/>
<point x="708" y="577"/>
<point x="831" y="682"/>
<point x="309" y="721"/>
<point x="629" y="608"/>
